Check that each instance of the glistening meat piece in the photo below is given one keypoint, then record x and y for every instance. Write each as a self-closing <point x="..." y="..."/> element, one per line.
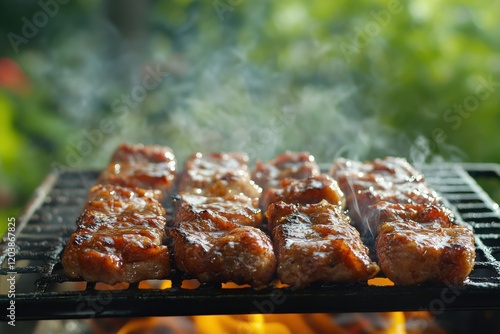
<point x="119" y="238"/>
<point x="359" y="204"/>
<point x="311" y="190"/>
<point x="316" y="243"/>
<point x="415" y="238"/>
<point x="139" y="153"/>
<point x="141" y="166"/>
<point x="411" y="253"/>
<point x="218" y="174"/>
<point x="291" y="165"/>
<point x="213" y="249"/>
<point x="393" y="169"/>
<point x="383" y="211"/>
<point x="391" y="180"/>
<point x="239" y="208"/>
<point x="116" y="200"/>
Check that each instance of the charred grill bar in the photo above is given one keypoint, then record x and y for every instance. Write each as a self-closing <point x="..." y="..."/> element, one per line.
<point x="44" y="292"/>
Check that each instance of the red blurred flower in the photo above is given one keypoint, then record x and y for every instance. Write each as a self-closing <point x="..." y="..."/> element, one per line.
<point x="12" y="77"/>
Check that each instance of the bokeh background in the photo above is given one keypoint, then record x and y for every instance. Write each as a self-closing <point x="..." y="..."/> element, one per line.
<point x="363" y="79"/>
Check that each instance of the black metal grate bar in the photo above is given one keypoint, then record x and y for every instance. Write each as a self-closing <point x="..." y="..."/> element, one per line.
<point x="43" y="291"/>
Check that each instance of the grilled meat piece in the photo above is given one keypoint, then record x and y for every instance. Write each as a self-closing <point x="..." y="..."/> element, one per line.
<point x="395" y="170"/>
<point x="139" y="153"/>
<point x="121" y="200"/>
<point x="311" y="190"/>
<point x="415" y="238"/>
<point x="213" y="249"/>
<point x="149" y="167"/>
<point x="391" y="180"/>
<point x="291" y="165"/>
<point x="218" y="174"/>
<point x="360" y="202"/>
<point x="239" y="208"/>
<point x="118" y="238"/>
<point x="411" y="253"/>
<point x="316" y="243"/>
<point x="386" y="212"/>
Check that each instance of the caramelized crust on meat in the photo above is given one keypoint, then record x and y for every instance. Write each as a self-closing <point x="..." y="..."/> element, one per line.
<point x="411" y="253"/>
<point x="108" y="197"/>
<point x="218" y="174"/>
<point x="291" y="165"/>
<point x="139" y="166"/>
<point x="212" y="249"/>
<point x="239" y="209"/>
<point x="311" y="190"/>
<point x="408" y="193"/>
<point x="118" y="238"/>
<point x="148" y="176"/>
<point x="416" y="240"/>
<point x="139" y="153"/>
<point x="395" y="170"/>
<point x="386" y="211"/>
<point x="391" y="180"/>
<point x="316" y="243"/>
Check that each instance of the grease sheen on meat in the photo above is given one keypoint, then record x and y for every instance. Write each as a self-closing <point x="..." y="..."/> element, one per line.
<point x="316" y="243"/>
<point x="393" y="169"/>
<point x="392" y="180"/>
<point x="381" y="212"/>
<point x="141" y="166"/>
<point x="238" y="208"/>
<point x="411" y="253"/>
<point x="287" y="165"/>
<point x="119" y="238"/>
<point x="213" y="249"/>
<point x="415" y="238"/>
<point x="310" y="190"/>
<point x="218" y="174"/>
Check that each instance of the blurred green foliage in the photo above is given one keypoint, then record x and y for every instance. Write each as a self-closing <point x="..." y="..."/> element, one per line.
<point x="361" y="79"/>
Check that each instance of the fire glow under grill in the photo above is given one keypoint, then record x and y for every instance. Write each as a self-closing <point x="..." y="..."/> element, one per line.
<point x="44" y="292"/>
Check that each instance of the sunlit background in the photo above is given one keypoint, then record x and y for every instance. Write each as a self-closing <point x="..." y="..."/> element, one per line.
<point x="419" y="79"/>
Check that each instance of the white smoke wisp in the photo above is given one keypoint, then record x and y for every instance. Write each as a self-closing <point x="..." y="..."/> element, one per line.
<point x="227" y="103"/>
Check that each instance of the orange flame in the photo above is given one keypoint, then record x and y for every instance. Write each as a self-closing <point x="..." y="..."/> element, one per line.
<point x="348" y="323"/>
<point x="344" y="323"/>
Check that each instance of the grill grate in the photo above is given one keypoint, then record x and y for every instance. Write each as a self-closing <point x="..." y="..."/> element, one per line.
<point x="43" y="291"/>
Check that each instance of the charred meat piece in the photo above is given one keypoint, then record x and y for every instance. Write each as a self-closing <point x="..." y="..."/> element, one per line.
<point x="391" y="180"/>
<point x="118" y="238"/>
<point x="213" y="249"/>
<point x="149" y="167"/>
<point x="139" y="153"/>
<point x="316" y="243"/>
<point x="411" y="253"/>
<point x="393" y="169"/>
<point x="386" y="211"/>
<point x="415" y="238"/>
<point x="311" y="190"/>
<point x="360" y="202"/>
<point x="288" y="165"/>
<point x="239" y="208"/>
<point x="113" y="199"/>
<point x="218" y="174"/>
